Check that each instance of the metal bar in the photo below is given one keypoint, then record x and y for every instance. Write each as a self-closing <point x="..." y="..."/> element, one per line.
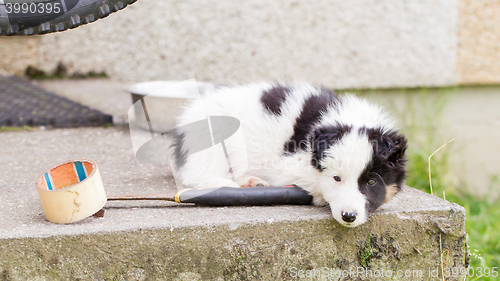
<point x="228" y="161"/>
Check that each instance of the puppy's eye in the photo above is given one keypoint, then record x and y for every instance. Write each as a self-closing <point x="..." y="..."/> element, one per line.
<point x="372" y="182"/>
<point x="337" y="178"/>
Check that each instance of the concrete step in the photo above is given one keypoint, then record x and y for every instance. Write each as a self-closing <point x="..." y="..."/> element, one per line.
<point x="415" y="233"/>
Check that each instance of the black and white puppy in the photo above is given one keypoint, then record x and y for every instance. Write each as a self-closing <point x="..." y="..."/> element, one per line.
<point x="343" y="150"/>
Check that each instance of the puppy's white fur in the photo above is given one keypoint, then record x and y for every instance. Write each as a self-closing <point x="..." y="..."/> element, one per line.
<point x="256" y="149"/>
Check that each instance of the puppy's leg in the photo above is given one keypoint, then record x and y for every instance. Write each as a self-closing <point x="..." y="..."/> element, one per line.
<point x="250" y="181"/>
<point x="209" y="169"/>
<point x="213" y="166"/>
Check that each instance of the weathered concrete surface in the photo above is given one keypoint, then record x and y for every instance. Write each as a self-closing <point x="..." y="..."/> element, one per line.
<point x="166" y="241"/>
<point x="266" y="251"/>
<point x="353" y="44"/>
<point x="478" y="53"/>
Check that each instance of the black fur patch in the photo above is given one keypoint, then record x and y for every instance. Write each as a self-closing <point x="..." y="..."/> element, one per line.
<point x="389" y="146"/>
<point x="322" y="138"/>
<point x="311" y="113"/>
<point x="273" y="98"/>
<point x="387" y="166"/>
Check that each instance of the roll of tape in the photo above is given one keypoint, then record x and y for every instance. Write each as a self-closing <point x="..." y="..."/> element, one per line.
<point x="71" y="191"/>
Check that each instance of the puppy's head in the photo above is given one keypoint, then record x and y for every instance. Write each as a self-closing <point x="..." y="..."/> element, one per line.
<point x="359" y="169"/>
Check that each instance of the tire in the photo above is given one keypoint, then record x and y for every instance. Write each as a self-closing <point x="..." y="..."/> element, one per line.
<point x="30" y="17"/>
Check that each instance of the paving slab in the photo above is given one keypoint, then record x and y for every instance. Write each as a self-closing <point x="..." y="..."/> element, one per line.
<point x="164" y="240"/>
<point x="105" y="95"/>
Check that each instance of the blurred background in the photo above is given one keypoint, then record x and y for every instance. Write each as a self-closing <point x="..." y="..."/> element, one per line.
<point x="434" y="64"/>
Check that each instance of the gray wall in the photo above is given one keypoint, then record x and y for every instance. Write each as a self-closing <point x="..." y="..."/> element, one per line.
<point x="340" y="44"/>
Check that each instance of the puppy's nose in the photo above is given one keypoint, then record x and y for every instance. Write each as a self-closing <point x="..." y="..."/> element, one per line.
<point x="349" y="216"/>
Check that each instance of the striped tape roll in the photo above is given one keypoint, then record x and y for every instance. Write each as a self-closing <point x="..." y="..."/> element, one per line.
<point x="71" y="191"/>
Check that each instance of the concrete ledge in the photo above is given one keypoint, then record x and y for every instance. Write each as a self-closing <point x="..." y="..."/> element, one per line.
<point x="167" y="241"/>
<point x="260" y="243"/>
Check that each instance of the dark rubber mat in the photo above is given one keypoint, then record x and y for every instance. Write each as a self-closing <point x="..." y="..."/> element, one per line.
<point x="24" y="104"/>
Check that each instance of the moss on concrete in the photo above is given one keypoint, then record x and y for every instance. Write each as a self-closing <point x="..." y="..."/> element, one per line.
<point x="366" y="252"/>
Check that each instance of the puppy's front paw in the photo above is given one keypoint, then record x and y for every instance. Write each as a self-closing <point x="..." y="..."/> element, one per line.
<point x="250" y="181"/>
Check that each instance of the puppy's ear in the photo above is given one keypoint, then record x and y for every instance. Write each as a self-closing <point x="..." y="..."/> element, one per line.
<point x="388" y="146"/>
<point x="322" y="138"/>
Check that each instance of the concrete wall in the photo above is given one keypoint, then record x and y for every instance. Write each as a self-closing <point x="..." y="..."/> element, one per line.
<point x="17" y="53"/>
<point x="341" y="44"/>
<point x="479" y="42"/>
<point x="354" y="44"/>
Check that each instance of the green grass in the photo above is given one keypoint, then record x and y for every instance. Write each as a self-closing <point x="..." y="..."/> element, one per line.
<point x="421" y="117"/>
<point x="423" y="130"/>
<point x="483" y="227"/>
